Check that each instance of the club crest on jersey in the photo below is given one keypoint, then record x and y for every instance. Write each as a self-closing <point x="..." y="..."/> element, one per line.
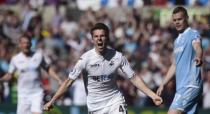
<point x="111" y="63"/>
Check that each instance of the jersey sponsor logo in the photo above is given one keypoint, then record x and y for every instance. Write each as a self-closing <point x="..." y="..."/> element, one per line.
<point x="31" y="69"/>
<point x="179" y="49"/>
<point x="101" y="78"/>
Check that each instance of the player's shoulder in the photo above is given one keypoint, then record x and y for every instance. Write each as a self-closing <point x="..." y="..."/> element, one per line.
<point x="87" y="54"/>
<point x="17" y="56"/>
<point x="40" y="53"/>
<point x="118" y="53"/>
<point x="193" y="31"/>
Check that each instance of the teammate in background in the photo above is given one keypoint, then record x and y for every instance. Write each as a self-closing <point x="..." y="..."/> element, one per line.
<point x="101" y="64"/>
<point x="28" y="65"/>
<point x="186" y="65"/>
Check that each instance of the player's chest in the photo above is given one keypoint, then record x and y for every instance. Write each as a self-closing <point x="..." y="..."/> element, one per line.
<point x="181" y="40"/>
<point x="102" y="66"/>
<point x="28" y="64"/>
<point x="180" y="44"/>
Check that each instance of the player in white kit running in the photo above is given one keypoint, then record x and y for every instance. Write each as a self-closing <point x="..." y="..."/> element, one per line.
<point x="101" y="65"/>
<point x="28" y="65"/>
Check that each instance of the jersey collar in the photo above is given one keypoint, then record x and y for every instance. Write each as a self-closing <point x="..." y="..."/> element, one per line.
<point x="187" y="29"/>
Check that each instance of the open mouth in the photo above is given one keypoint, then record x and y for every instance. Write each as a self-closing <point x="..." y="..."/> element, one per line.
<point x="100" y="44"/>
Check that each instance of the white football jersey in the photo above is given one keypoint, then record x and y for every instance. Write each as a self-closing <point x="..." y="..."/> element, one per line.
<point x="28" y="70"/>
<point x="102" y="90"/>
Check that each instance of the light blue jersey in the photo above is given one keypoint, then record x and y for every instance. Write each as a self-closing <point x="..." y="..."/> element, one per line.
<point x="187" y="74"/>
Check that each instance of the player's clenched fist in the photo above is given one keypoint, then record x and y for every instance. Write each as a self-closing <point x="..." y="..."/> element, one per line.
<point x="48" y="106"/>
<point x="157" y="100"/>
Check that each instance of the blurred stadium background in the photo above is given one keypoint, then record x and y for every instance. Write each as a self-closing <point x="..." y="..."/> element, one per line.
<point x="141" y="29"/>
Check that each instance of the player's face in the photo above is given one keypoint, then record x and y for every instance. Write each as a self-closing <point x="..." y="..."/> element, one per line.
<point x="25" y="45"/>
<point x="99" y="40"/>
<point x="179" y="21"/>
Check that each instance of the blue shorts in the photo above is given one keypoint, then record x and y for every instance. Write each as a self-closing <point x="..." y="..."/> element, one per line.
<point x="186" y="100"/>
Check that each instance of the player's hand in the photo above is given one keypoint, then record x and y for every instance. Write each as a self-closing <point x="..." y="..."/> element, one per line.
<point x="157" y="100"/>
<point x="160" y="90"/>
<point x="198" y="61"/>
<point x="48" y="106"/>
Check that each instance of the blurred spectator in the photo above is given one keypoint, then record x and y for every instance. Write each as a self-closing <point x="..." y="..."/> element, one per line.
<point x="206" y="91"/>
<point x="27" y="14"/>
<point x="79" y="96"/>
<point x="168" y="94"/>
<point x="147" y="76"/>
<point x="11" y="26"/>
<point x="56" y="19"/>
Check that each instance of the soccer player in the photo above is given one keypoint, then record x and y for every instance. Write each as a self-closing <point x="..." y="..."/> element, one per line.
<point x="101" y="64"/>
<point x="187" y="61"/>
<point x="28" y="65"/>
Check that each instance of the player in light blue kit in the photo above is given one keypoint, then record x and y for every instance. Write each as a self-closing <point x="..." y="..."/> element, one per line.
<point x="186" y="64"/>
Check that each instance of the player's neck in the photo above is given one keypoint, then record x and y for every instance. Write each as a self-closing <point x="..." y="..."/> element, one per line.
<point x="181" y="31"/>
<point x="103" y="52"/>
<point x="28" y="54"/>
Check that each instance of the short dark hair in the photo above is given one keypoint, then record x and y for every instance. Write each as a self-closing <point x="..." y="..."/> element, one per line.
<point x="100" y="26"/>
<point x="180" y="9"/>
<point x="26" y="36"/>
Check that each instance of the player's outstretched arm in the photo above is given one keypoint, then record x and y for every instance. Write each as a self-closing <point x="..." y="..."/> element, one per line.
<point x="169" y="76"/>
<point x="139" y="83"/>
<point x="61" y="90"/>
<point x="52" y="73"/>
<point x="6" y="77"/>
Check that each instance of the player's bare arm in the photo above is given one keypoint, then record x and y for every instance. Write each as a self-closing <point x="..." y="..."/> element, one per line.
<point x="139" y="83"/>
<point x="6" y="77"/>
<point x="52" y="73"/>
<point x="61" y="90"/>
<point x="199" y="51"/>
<point x="170" y="74"/>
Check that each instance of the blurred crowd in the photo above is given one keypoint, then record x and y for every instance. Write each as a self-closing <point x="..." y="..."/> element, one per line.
<point x="146" y="44"/>
<point x="110" y="3"/>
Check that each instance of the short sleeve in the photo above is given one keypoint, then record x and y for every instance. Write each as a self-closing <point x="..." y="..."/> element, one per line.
<point x="45" y="62"/>
<point x="126" y="68"/>
<point x="195" y="35"/>
<point x="75" y="72"/>
<point x="12" y="67"/>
